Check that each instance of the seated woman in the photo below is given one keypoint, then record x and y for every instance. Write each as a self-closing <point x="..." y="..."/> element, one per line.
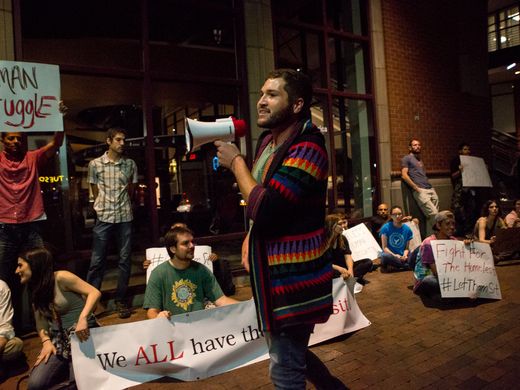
<point x="395" y="239"/>
<point x="62" y="303"/>
<point x="339" y="250"/>
<point x="488" y="224"/>
<point x="513" y="218"/>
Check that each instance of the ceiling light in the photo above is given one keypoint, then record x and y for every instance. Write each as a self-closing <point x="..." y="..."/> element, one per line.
<point x="503" y="39"/>
<point x="511" y="66"/>
<point x="517" y="72"/>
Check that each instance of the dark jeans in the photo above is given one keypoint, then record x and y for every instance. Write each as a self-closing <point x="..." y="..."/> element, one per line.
<point x="388" y="259"/>
<point x="14" y="240"/>
<point x="291" y="362"/>
<point x="102" y="232"/>
<point x="362" y="267"/>
<point x="57" y="373"/>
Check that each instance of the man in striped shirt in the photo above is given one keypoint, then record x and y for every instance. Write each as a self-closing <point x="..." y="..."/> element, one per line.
<point x="112" y="177"/>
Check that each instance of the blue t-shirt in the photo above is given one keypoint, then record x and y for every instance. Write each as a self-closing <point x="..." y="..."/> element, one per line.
<point x="397" y="237"/>
<point x="416" y="171"/>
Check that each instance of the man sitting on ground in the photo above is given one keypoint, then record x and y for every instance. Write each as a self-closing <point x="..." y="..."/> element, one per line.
<point x="10" y="346"/>
<point x="180" y="285"/>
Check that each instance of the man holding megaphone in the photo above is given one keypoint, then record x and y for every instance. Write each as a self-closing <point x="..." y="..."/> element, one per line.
<point x="285" y="194"/>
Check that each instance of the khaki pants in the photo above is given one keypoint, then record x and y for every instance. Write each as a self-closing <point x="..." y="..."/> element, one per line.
<point x="12" y="350"/>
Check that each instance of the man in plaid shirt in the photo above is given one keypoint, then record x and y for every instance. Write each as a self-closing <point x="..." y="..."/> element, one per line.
<point x="112" y="177"/>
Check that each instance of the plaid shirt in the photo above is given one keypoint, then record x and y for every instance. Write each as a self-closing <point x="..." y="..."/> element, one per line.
<point x="112" y="204"/>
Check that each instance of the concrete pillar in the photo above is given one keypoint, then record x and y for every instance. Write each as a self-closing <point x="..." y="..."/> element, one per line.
<point x="259" y="52"/>
<point x="384" y="158"/>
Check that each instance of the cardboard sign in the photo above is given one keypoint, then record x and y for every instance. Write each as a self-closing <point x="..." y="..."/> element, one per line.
<point x="29" y="97"/>
<point x="474" y="172"/>
<point x="416" y="239"/>
<point x="362" y="243"/>
<point x="465" y="271"/>
<point x="160" y="255"/>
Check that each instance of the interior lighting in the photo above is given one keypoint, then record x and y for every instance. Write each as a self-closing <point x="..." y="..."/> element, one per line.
<point x="517" y="72"/>
<point x="511" y="66"/>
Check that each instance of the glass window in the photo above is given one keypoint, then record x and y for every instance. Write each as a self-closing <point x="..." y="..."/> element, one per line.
<point x="298" y="11"/>
<point x="189" y="189"/>
<point x="353" y="137"/>
<point x="345" y="15"/>
<point x="99" y="33"/>
<point x="347" y="66"/>
<point x="196" y="38"/>
<point x="301" y="50"/>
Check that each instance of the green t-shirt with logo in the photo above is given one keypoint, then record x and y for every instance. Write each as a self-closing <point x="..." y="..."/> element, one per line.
<point x="181" y="291"/>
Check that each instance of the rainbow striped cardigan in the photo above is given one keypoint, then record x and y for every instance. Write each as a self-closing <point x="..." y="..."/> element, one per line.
<point x="290" y="277"/>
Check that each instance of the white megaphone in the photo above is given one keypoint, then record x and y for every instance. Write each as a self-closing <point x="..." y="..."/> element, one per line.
<point x="200" y="133"/>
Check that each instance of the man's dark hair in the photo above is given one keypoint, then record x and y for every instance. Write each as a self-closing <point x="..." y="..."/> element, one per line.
<point x="172" y="236"/>
<point x="113" y="131"/>
<point x="396" y="207"/>
<point x="297" y="85"/>
<point x="462" y="144"/>
<point x="411" y="140"/>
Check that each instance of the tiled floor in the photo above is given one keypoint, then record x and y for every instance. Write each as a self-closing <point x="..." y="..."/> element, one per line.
<point x="410" y="344"/>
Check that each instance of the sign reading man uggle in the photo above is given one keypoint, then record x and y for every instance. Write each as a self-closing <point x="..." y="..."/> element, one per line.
<point x="29" y="97"/>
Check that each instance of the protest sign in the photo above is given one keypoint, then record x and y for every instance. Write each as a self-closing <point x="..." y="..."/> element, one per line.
<point x="191" y="346"/>
<point x="29" y="97"/>
<point x="416" y="239"/>
<point x="474" y="172"/>
<point x="160" y="255"/>
<point x="362" y="243"/>
<point x="465" y="270"/>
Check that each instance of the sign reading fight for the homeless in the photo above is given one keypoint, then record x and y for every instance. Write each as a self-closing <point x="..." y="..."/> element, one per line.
<point x="465" y="270"/>
<point x="29" y="97"/>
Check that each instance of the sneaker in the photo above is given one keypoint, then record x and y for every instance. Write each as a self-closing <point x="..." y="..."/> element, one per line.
<point x="122" y="310"/>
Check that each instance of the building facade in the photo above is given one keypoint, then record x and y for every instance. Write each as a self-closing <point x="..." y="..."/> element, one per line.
<point x="383" y="71"/>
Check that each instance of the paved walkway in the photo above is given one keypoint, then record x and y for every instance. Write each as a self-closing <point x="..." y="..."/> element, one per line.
<point x="410" y="344"/>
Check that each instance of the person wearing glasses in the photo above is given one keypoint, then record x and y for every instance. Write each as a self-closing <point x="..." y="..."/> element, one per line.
<point x="395" y="239"/>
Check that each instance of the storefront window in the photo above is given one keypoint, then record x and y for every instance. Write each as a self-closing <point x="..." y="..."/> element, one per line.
<point x="347" y="66"/>
<point x="347" y="16"/>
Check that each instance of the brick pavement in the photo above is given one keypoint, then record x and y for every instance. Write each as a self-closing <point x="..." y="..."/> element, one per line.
<point x="411" y="344"/>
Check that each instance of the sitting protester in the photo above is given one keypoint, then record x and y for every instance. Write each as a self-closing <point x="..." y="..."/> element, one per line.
<point x="395" y="239"/>
<point x="63" y="303"/>
<point x="513" y="218"/>
<point x="488" y="224"/>
<point x="10" y="346"/>
<point x="339" y="250"/>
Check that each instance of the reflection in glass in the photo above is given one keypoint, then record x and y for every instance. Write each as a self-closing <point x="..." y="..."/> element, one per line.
<point x="347" y="66"/>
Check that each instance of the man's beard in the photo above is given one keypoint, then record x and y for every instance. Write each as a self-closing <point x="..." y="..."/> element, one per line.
<point x="277" y="119"/>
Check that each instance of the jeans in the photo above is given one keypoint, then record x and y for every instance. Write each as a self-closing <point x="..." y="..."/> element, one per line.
<point x="101" y="234"/>
<point x="57" y="373"/>
<point x="291" y="362"/>
<point x="388" y="259"/>
<point x="429" y="287"/>
<point x="14" y="240"/>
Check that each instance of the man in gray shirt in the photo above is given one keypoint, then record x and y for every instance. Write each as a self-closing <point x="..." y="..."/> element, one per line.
<point x="413" y="173"/>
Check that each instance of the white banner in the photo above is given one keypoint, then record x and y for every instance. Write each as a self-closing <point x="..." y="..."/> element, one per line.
<point x="191" y="346"/>
<point x="465" y="270"/>
<point x="29" y="97"/>
<point x="362" y="243"/>
<point x="474" y="172"/>
<point x="160" y="255"/>
<point x="416" y="239"/>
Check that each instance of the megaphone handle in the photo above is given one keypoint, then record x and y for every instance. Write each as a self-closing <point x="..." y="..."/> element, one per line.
<point x="216" y="163"/>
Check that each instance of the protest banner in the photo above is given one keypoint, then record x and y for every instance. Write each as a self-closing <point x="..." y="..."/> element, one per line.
<point x="191" y="346"/>
<point x="474" y="172"/>
<point x="465" y="271"/>
<point x="362" y="243"/>
<point x="416" y="239"/>
<point x="160" y="255"/>
<point x="29" y="97"/>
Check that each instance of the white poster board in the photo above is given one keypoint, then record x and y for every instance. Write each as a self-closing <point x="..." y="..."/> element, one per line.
<point x="160" y="255"/>
<point x="465" y="271"/>
<point x="29" y="97"/>
<point x="474" y="172"/>
<point x="416" y="238"/>
<point x="362" y="243"/>
<point x="191" y="346"/>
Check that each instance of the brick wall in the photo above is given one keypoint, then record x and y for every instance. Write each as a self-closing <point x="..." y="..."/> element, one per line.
<point x="436" y="59"/>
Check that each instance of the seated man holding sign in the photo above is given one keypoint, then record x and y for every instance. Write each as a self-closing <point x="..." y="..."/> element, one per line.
<point x="180" y="285"/>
